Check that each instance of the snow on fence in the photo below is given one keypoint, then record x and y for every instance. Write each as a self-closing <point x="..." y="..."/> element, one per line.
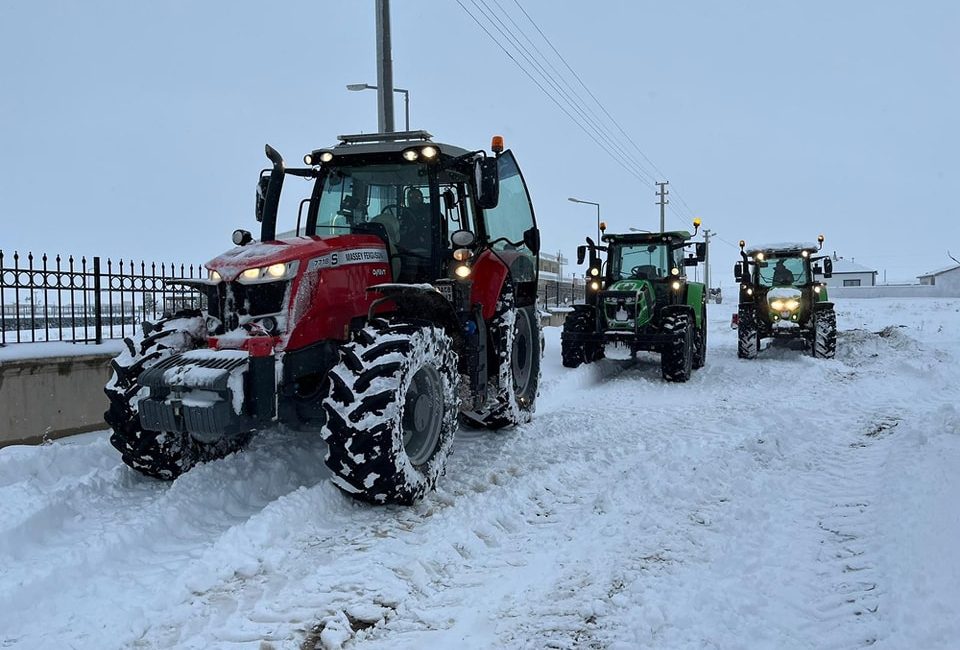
<point x="70" y="299"/>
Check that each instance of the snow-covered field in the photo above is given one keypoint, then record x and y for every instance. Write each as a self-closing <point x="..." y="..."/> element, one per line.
<point x="785" y="502"/>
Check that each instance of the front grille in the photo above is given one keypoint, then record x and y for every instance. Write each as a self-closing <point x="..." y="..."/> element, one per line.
<point x="235" y="300"/>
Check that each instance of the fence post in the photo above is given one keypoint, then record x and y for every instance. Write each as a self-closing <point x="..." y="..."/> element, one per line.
<point x="97" y="311"/>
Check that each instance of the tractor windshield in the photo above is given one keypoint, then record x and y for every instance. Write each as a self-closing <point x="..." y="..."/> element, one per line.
<point x="645" y="261"/>
<point x="782" y="271"/>
<point x="407" y="200"/>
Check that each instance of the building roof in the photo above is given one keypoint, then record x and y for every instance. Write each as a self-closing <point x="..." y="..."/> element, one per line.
<point x="849" y="266"/>
<point x="947" y="269"/>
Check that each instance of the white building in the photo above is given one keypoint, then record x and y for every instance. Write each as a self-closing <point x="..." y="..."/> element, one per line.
<point x="947" y="280"/>
<point x="848" y="273"/>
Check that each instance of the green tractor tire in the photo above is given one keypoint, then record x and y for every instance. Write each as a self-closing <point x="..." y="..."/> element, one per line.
<point x="824" y="344"/>
<point x="748" y="337"/>
<point x="676" y="359"/>
<point x="572" y="353"/>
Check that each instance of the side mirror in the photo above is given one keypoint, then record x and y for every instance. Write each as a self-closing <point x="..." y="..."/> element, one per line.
<point x="262" y="185"/>
<point x="701" y="248"/>
<point x="242" y="237"/>
<point x="738" y="271"/>
<point x="581" y="254"/>
<point x="488" y="183"/>
<point x="449" y="200"/>
<point x="531" y="237"/>
<point x="463" y="239"/>
<point x="827" y="267"/>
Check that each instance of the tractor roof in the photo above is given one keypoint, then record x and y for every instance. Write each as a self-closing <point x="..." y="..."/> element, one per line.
<point x="782" y="249"/>
<point x="671" y="236"/>
<point x="378" y="143"/>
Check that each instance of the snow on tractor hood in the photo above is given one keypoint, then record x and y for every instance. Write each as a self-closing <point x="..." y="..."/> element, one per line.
<point x="783" y="293"/>
<point x="259" y="254"/>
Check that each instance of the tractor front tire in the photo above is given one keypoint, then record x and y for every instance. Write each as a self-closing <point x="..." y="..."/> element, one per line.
<point x="700" y="341"/>
<point x="574" y="353"/>
<point x="676" y="359"/>
<point x="824" y="344"/>
<point x="392" y="410"/>
<point x="515" y="372"/>
<point x="748" y="336"/>
<point x="162" y="455"/>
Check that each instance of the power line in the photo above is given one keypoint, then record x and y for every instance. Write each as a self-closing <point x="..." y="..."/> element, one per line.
<point x="538" y="67"/>
<point x="543" y="89"/>
<point x="602" y="107"/>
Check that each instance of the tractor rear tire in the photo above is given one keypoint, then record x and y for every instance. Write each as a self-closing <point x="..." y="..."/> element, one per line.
<point x="700" y="341"/>
<point x="162" y="455"/>
<point x="824" y="345"/>
<point x="573" y="354"/>
<point x="748" y="336"/>
<point x="676" y="359"/>
<point x="515" y="372"/>
<point x="392" y="411"/>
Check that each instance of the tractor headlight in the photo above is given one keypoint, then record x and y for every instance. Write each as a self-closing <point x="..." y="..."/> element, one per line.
<point x="595" y="285"/>
<point x="214" y="276"/>
<point x="789" y="304"/>
<point x="816" y="289"/>
<point x="411" y="155"/>
<point x="462" y="254"/>
<point x="279" y="271"/>
<point x="675" y="285"/>
<point x="462" y="271"/>
<point x="594" y="272"/>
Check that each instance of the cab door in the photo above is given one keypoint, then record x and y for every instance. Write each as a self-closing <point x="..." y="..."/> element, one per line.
<point x="511" y="227"/>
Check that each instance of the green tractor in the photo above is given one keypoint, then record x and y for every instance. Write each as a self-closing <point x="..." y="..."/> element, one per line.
<point x="780" y="298"/>
<point x="641" y="299"/>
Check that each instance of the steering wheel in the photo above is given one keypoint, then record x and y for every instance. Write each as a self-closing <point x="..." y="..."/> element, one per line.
<point x="393" y="209"/>
<point x="636" y="272"/>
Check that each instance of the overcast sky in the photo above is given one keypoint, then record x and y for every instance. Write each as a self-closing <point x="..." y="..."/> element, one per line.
<point x="137" y="129"/>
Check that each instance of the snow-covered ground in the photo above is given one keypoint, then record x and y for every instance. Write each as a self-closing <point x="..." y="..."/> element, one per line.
<point x="785" y="502"/>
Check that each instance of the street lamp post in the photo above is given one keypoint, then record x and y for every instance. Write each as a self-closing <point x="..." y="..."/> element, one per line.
<point x="406" y="99"/>
<point x="573" y="200"/>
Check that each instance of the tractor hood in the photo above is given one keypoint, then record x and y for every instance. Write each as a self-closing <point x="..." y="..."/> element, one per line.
<point x="304" y="249"/>
<point x="627" y="285"/>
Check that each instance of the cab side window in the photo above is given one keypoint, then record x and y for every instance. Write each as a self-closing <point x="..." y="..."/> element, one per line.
<point x="513" y="215"/>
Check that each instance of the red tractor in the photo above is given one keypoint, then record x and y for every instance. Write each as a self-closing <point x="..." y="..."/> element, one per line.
<point x="401" y="303"/>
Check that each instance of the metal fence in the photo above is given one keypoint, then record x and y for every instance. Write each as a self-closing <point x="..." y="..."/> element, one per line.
<point x="87" y="301"/>
<point x="552" y="293"/>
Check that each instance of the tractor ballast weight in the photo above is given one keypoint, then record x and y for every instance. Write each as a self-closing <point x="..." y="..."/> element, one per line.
<point x="781" y="298"/>
<point x="400" y="302"/>
<point x="640" y="298"/>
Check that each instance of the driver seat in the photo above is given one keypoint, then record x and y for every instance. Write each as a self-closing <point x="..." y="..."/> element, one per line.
<point x="392" y="227"/>
<point x="648" y="272"/>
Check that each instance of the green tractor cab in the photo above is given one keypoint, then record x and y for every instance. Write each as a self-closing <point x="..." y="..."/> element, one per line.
<point x="639" y="297"/>
<point x="780" y="298"/>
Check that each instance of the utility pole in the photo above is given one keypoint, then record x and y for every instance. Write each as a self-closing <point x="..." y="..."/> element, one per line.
<point x="663" y="218"/>
<point x="707" y="234"/>
<point x="384" y="69"/>
<point x="663" y="203"/>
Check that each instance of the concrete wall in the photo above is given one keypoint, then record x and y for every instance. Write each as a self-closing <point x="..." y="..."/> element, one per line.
<point x="52" y="397"/>
<point x="887" y="291"/>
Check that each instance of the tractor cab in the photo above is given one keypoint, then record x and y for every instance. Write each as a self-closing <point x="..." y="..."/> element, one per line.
<point x="413" y="194"/>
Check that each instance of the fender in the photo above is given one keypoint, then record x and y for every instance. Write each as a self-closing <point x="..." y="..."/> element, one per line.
<point x="490" y="274"/>
<point x="423" y="302"/>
